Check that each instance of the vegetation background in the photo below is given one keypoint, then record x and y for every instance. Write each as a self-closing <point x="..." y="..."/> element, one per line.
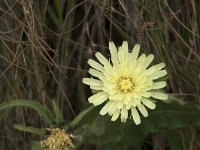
<point x="44" y="48"/>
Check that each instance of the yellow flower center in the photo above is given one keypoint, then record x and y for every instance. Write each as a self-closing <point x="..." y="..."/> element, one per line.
<point x="125" y="85"/>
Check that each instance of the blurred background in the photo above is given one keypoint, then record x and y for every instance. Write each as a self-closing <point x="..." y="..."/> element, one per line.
<point x="45" y="45"/>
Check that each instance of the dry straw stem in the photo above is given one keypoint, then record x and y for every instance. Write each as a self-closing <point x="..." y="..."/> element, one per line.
<point x="45" y="46"/>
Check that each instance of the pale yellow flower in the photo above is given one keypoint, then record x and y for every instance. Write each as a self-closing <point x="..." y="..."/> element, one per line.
<point x="58" y="140"/>
<point x="126" y="83"/>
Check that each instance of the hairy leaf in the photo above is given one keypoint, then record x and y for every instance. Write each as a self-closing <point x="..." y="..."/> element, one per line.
<point x="57" y="112"/>
<point x="29" y="129"/>
<point x="40" y="109"/>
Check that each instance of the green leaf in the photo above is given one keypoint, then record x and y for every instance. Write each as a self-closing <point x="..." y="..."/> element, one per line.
<point x="165" y="118"/>
<point x="175" y="138"/>
<point x="36" y="146"/>
<point x="82" y="116"/>
<point x="41" y="110"/>
<point x="58" y="9"/>
<point x="30" y="129"/>
<point x="57" y="113"/>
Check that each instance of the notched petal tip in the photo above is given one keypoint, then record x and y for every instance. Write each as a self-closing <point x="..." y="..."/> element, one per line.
<point x="135" y="51"/>
<point x="138" y="123"/>
<point x="125" y="46"/>
<point x="136" y="48"/>
<point x="95" y="65"/>
<point x="90" y="61"/>
<point x="84" y="80"/>
<point x="124" y="43"/>
<point x="162" y="64"/>
<point x="150" y="57"/>
<point x="111" y="44"/>
<point x="112" y="47"/>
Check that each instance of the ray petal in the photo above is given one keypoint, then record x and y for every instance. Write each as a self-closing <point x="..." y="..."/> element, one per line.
<point x="96" y="88"/>
<point x="159" y="95"/>
<point x="135" y="51"/>
<point x="148" y="103"/>
<point x="92" y="82"/>
<point x="158" y="85"/>
<point x="148" y="60"/>
<point x="102" y="59"/>
<point x="124" y="115"/>
<point x="115" y="115"/>
<point x="143" y="110"/>
<point x="146" y="94"/>
<point x="120" y="105"/>
<point x="158" y="74"/>
<point x="120" y="54"/>
<point x="113" y="52"/>
<point x="106" y="108"/>
<point x="112" y="108"/>
<point x="135" y="116"/>
<point x="98" y="98"/>
<point x="155" y="68"/>
<point x="96" y="73"/>
<point x="95" y="65"/>
<point x="123" y="52"/>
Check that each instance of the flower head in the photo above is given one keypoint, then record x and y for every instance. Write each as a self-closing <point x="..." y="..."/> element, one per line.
<point x="126" y="84"/>
<point x="58" y="140"/>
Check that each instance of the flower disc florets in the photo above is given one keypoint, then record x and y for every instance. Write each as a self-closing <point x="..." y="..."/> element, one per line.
<point x="126" y="83"/>
<point x="58" y="140"/>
